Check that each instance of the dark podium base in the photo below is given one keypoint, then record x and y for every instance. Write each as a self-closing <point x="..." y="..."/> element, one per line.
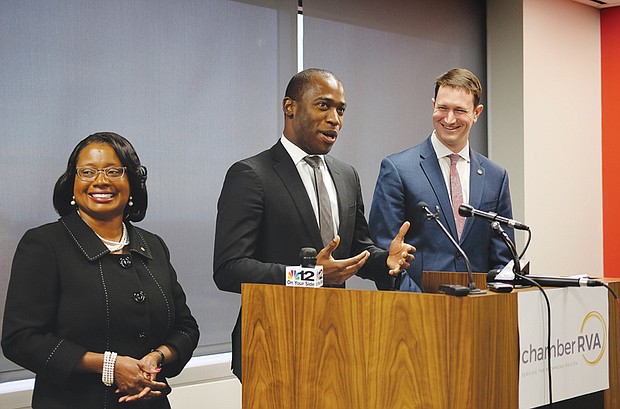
<point x="594" y="400"/>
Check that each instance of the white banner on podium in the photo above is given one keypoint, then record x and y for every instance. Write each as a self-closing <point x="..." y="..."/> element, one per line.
<point x="579" y="344"/>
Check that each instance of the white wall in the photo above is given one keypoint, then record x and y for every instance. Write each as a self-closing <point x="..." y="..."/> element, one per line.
<point x="206" y="382"/>
<point x="558" y="157"/>
<point x="562" y="144"/>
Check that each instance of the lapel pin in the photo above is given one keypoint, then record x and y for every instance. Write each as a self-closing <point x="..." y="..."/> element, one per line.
<point x="480" y="171"/>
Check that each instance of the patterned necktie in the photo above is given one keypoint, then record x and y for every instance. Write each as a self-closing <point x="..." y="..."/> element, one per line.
<point x="456" y="193"/>
<point x="326" y="220"/>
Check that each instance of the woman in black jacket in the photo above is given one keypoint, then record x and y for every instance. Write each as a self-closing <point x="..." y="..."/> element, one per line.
<point x="94" y="307"/>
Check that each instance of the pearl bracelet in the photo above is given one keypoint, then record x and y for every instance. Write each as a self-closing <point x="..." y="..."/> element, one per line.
<point x="107" y="374"/>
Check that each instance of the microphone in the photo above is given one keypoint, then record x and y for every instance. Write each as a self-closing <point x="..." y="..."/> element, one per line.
<point x="307" y="274"/>
<point x="452" y="289"/>
<point x="548" y="281"/>
<point x="466" y="210"/>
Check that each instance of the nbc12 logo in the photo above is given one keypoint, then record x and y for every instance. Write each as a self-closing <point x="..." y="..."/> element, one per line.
<point x="297" y="276"/>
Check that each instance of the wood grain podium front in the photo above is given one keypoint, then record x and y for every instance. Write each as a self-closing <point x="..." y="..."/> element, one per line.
<point x="334" y="348"/>
<point x="354" y="349"/>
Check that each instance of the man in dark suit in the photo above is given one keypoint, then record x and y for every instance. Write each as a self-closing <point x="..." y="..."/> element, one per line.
<point x="269" y="205"/>
<point x="427" y="173"/>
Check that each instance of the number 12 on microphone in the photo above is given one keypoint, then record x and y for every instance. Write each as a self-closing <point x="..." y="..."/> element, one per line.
<point x="297" y="276"/>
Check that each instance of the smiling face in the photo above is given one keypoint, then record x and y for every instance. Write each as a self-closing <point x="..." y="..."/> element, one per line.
<point x="313" y="121"/>
<point x="100" y="199"/>
<point x="453" y="116"/>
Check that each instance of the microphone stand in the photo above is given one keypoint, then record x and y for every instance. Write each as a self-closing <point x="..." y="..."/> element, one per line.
<point x="470" y="277"/>
<point x="539" y="281"/>
<point x="497" y="228"/>
<point x="516" y="269"/>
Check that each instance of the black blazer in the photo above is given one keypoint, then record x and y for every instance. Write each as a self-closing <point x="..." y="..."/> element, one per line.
<point x="265" y="217"/>
<point x="67" y="295"/>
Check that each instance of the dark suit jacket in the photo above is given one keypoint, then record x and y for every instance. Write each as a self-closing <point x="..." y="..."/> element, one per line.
<point x="67" y="295"/>
<point x="265" y="217"/>
<point x="414" y="175"/>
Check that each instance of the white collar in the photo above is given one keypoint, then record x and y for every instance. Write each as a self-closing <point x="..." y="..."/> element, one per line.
<point x="295" y="152"/>
<point x="442" y="151"/>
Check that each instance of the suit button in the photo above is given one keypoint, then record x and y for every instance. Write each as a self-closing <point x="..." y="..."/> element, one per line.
<point x="142" y="336"/>
<point x="139" y="297"/>
<point x="458" y="256"/>
<point x="125" y="262"/>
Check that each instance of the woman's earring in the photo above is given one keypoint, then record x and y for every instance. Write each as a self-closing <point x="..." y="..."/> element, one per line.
<point x="130" y="203"/>
<point x="72" y="201"/>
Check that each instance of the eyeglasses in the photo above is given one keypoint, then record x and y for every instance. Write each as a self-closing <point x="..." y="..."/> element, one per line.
<point x="88" y="174"/>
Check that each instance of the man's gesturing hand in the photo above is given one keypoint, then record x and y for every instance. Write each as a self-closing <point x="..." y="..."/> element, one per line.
<point x="401" y="253"/>
<point x="339" y="271"/>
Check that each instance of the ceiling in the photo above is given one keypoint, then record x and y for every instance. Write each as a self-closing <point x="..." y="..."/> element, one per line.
<point x="600" y="4"/>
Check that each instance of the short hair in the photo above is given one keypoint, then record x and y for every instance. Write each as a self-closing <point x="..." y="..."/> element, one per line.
<point x="300" y="82"/>
<point x="460" y="78"/>
<point x="136" y="173"/>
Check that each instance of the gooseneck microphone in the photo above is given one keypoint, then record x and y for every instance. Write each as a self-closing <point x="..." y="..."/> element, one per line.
<point x="435" y="216"/>
<point x="466" y="210"/>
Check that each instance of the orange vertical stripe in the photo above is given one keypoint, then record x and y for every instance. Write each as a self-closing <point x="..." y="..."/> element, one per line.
<point x="610" y="92"/>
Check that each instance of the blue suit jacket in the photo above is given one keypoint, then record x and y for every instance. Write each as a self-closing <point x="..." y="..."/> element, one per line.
<point x="414" y="175"/>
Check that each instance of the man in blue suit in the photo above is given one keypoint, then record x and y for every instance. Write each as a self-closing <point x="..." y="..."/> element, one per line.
<point x="427" y="173"/>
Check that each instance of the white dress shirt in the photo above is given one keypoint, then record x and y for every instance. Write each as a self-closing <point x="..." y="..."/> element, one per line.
<point x="462" y="166"/>
<point x="307" y="177"/>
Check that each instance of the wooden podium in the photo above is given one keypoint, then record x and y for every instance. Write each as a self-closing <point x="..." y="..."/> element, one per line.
<point x="354" y="349"/>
